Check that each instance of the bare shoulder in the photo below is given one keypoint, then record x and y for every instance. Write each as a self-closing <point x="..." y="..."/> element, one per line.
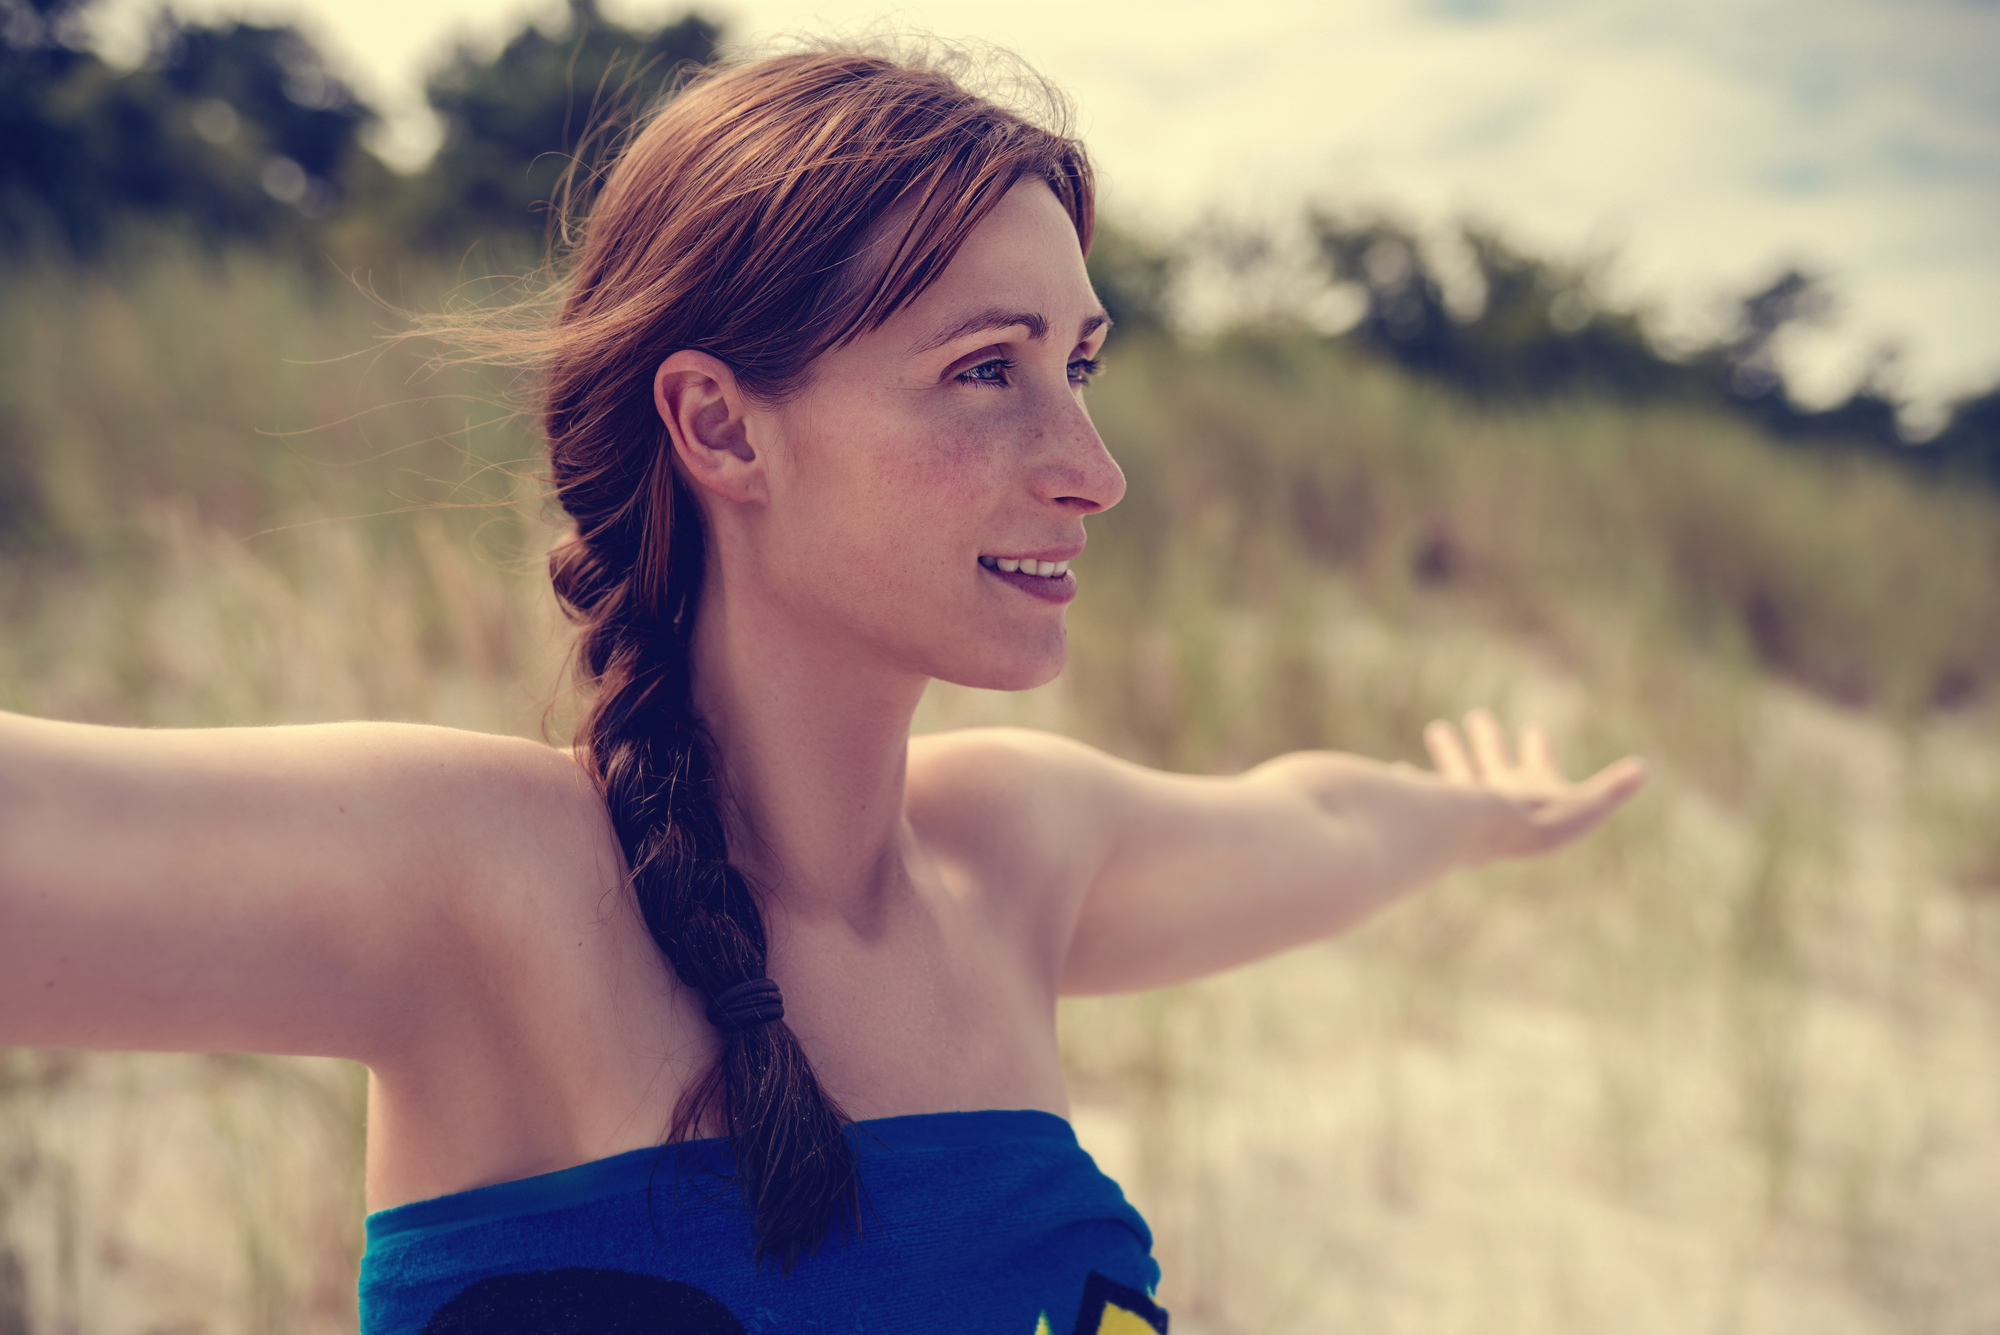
<point x="472" y="796"/>
<point x="1025" y="807"/>
<point x="1037" y="774"/>
<point x="1001" y="772"/>
<point x="516" y="791"/>
<point x="523" y="820"/>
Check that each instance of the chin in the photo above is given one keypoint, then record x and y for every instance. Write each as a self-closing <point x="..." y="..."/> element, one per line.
<point x="1016" y="667"/>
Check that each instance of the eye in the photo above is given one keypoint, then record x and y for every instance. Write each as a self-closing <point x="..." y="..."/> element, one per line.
<point x="992" y="371"/>
<point x="1084" y="369"/>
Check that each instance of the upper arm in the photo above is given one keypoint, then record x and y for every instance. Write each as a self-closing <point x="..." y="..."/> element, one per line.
<point x="264" y="889"/>
<point x="1201" y="873"/>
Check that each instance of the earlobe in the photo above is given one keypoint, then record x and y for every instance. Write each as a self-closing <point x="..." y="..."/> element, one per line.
<point x="706" y="414"/>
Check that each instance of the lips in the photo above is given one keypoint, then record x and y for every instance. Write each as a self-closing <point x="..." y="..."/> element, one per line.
<point x="1025" y="565"/>
<point x="1049" y="588"/>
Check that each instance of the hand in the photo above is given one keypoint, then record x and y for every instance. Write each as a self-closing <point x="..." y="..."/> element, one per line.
<point x="1539" y="809"/>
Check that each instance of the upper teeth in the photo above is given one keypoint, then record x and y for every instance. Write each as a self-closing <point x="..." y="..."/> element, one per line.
<point x="1012" y="564"/>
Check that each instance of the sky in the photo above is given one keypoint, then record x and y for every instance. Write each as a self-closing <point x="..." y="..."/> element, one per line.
<point x="1690" y="149"/>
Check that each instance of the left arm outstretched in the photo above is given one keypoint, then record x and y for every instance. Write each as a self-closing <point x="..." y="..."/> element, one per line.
<point x="1184" y="876"/>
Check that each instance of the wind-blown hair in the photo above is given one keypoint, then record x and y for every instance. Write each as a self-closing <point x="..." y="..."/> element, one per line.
<point x="769" y="212"/>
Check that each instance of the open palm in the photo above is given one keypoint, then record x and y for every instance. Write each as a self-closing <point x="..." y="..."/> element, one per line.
<point x="1540" y="808"/>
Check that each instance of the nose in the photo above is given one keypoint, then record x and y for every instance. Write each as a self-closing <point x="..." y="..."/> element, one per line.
<point x="1074" y="471"/>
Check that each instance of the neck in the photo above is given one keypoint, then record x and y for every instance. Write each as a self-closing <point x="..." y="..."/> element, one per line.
<point x="812" y="746"/>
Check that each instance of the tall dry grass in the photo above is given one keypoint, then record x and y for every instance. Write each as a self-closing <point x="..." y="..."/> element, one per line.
<point x="1729" y="1065"/>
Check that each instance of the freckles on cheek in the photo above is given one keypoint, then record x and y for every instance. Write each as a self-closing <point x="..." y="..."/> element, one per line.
<point x="929" y="491"/>
<point x="952" y="459"/>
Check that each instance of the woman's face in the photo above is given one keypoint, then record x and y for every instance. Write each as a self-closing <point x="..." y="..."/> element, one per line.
<point x="936" y="462"/>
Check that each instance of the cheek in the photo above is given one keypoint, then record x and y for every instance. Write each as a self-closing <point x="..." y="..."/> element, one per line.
<point x="955" y="464"/>
<point x="902" y="485"/>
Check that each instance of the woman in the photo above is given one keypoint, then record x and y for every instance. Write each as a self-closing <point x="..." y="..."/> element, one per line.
<point x="815" y="404"/>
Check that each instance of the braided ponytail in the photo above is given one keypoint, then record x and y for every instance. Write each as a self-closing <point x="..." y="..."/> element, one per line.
<point x="737" y="223"/>
<point x="653" y="760"/>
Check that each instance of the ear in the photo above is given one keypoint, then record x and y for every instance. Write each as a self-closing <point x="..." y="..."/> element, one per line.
<point x="707" y="414"/>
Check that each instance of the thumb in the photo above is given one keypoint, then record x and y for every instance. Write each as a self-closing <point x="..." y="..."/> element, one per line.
<point x="1597" y="797"/>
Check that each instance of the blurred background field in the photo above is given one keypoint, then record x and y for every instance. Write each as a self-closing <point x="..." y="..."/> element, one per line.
<point x="1731" y="1065"/>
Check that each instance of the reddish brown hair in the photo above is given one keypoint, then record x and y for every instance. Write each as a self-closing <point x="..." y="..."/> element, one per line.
<point x="769" y="212"/>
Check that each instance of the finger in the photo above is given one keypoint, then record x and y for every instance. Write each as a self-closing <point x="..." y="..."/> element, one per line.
<point x="1537" y="756"/>
<point x="1447" y="752"/>
<point x="1617" y="781"/>
<point x="1597" y="797"/>
<point x="1489" y="744"/>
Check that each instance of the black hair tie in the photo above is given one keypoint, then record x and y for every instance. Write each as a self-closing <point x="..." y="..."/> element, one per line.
<point x="753" y="1002"/>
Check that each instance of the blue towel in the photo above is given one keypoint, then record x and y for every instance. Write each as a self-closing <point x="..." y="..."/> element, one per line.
<point x="974" y="1222"/>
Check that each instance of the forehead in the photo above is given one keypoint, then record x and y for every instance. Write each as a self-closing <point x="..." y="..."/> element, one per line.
<point x="1023" y="256"/>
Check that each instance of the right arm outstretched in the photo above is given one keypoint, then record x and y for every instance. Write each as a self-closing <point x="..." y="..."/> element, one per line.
<point x="288" y="890"/>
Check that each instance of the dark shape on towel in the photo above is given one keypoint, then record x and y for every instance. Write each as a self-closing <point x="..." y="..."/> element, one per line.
<point x="576" y="1301"/>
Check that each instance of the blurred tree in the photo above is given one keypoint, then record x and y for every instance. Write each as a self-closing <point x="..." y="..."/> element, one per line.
<point x="272" y="88"/>
<point x="1134" y="279"/>
<point x="1539" y="329"/>
<point x="230" y="132"/>
<point x="517" y="120"/>
<point x="1970" y="440"/>
<point x="1542" y="329"/>
<point x="1406" y="318"/>
<point x="46" y="80"/>
<point x="1749" y="356"/>
<point x="1742" y="371"/>
<point x="1533" y="329"/>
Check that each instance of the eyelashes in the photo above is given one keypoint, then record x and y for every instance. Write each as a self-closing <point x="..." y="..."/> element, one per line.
<point x="1000" y="371"/>
<point x="992" y="371"/>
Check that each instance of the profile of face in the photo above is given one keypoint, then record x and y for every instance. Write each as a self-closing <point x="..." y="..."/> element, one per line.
<point x="898" y="510"/>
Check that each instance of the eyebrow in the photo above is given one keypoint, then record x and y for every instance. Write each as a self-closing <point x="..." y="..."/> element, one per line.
<point x="995" y="318"/>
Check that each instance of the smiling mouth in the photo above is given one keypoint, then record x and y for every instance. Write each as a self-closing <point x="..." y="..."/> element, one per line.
<point x="1016" y="565"/>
